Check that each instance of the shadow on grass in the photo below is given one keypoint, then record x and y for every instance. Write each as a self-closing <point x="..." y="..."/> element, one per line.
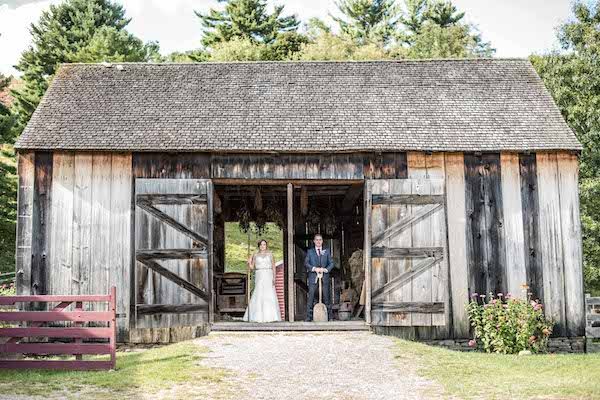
<point x="144" y="371"/>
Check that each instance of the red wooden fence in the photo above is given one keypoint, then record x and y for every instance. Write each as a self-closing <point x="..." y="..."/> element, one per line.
<point x="78" y="332"/>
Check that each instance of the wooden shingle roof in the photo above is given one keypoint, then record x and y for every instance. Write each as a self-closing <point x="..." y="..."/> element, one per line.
<point x="431" y="105"/>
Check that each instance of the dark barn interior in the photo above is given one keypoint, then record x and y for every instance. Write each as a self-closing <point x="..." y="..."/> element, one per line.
<point x="333" y="210"/>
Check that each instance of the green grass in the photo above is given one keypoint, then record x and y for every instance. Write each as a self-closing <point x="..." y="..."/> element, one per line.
<point x="236" y="245"/>
<point x="138" y="373"/>
<point x="472" y="375"/>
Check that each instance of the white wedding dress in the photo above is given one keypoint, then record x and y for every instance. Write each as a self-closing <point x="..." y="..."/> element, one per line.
<point x="263" y="306"/>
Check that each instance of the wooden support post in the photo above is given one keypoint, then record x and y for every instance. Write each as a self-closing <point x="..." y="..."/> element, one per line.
<point x="290" y="248"/>
<point x="367" y="250"/>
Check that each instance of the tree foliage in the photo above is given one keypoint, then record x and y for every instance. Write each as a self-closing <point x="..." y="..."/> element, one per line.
<point x="74" y="31"/>
<point x="368" y="21"/>
<point x="8" y="185"/>
<point x="573" y="78"/>
<point x="245" y="19"/>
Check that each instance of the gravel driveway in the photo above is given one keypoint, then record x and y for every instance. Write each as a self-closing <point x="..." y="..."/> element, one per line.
<point x="341" y="365"/>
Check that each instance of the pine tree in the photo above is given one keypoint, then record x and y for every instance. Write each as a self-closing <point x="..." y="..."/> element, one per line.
<point x="443" y="14"/>
<point x="76" y="30"/>
<point x="368" y="20"/>
<point x="245" y="19"/>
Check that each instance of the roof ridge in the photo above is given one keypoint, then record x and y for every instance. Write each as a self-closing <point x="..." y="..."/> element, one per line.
<point x="422" y="60"/>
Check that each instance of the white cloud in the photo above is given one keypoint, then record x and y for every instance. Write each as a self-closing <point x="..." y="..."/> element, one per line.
<point x="516" y="28"/>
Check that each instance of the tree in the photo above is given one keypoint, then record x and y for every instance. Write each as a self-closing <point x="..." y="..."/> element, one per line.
<point x="76" y="30"/>
<point x="368" y="20"/>
<point x="456" y="41"/>
<point x="434" y="29"/>
<point x="573" y="78"/>
<point x="8" y="184"/>
<point x="443" y="14"/>
<point x="245" y="19"/>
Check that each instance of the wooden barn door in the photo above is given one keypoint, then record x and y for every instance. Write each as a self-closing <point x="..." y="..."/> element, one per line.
<point x="173" y="252"/>
<point x="407" y="237"/>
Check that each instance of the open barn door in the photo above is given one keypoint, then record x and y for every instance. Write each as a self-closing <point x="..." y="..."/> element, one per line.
<point x="173" y="250"/>
<point x="405" y="252"/>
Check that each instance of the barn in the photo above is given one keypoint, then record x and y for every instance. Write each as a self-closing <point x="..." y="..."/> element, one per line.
<point x="452" y="177"/>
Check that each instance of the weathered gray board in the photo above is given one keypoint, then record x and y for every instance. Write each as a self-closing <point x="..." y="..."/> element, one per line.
<point x="172" y="250"/>
<point x="407" y="242"/>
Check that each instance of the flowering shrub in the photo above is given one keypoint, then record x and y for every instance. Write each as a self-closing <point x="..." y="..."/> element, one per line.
<point x="8" y="289"/>
<point x="507" y="325"/>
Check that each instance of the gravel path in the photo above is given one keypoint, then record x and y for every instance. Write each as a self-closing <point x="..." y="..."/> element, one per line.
<point x="341" y="366"/>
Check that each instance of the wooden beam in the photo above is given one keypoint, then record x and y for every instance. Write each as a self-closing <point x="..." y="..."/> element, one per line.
<point x="408" y="199"/>
<point x="298" y="182"/>
<point x="401" y="279"/>
<point x="149" y="309"/>
<point x="407" y="252"/>
<point x="290" y="248"/>
<point x="367" y="249"/>
<point x="176" y="279"/>
<point x="420" y="307"/>
<point x="170" y="254"/>
<point x="172" y="198"/>
<point x="172" y="222"/>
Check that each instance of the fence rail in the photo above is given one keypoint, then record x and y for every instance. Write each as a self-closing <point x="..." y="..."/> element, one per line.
<point x="76" y="333"/>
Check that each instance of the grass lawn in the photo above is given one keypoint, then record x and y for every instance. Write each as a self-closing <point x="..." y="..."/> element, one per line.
<point x="489" y="376"/>
<point x="168" y="369"/>
<point x="236" y="245"/>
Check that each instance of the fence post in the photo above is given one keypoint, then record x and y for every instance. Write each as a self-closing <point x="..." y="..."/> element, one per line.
<point x="113" y="325"/>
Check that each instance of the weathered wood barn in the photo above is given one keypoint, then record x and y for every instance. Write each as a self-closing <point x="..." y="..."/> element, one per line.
<point x="454" y="177"/>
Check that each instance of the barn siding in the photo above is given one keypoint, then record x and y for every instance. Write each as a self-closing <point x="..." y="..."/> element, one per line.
<point x="501" y="208"/>
<point x="530" y="206"/>
<point x="81" y="226"/>
<point x="40" y="247"/>
<point x="485" y="236"/>
<point x="26" y="172"/>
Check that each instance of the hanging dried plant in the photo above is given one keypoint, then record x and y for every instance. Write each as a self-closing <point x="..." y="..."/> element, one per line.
<point x="273" y="213"/>
<point x="244" y="215"/>
<point x="258" y="202"/>
<point x="304" y="201"/>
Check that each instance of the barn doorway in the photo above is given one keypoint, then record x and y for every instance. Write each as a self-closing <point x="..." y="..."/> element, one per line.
<point x="244" y="213"/>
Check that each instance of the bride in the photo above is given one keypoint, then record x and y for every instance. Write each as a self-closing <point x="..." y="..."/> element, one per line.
<point x="263" y="306"/>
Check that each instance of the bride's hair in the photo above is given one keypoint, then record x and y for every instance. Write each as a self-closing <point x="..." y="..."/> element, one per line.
<point x="260" y="241"/>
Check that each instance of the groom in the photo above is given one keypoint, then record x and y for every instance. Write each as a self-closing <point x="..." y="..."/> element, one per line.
<point x="318" y="259"/>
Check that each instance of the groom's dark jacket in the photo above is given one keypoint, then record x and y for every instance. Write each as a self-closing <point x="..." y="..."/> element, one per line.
<point x="313" y="260"/>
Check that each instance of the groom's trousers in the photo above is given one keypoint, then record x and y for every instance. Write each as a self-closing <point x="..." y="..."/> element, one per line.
<point x="313" y="294"/>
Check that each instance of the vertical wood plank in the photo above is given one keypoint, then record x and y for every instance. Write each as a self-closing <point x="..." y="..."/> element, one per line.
<point x="530" y="206"/>
<point x="516" y="273"/>
<point x="120" y="223"/>
<point x="378" y="224"/>
<point x="568" y="177"/>
<point x="26" y="173"/>
<point x="42" y="212"/>
<point x="290" y="250"/>
<point x="421" y="234"/>
<point x="211" y="257"/>
<point x="367" y="248"/>
<point x="61" y="237"/>
<point x="457" y="246"/>
<point x="100" y="232"/>
<point x="82" y="222"/>
<point x="551" y="239"/>
<point x="439" y="273"/>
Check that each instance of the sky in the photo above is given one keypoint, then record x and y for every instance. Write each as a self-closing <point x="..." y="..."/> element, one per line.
<point x="516" y="28"/>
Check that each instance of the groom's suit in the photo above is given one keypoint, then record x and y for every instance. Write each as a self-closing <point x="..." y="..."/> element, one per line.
<point x="314" y="260"/>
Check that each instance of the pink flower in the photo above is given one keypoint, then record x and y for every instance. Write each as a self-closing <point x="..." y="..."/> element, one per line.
<point x="474" y="295"/>
<point x="500" y="295"/>
<point x="532" y="339"/>
<point x="494" y="301"/>
<point x="546" y="331"/>
<point x="482" y="296"/>
<point x="472" y="343"/>
<point x="537" y="307"/>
